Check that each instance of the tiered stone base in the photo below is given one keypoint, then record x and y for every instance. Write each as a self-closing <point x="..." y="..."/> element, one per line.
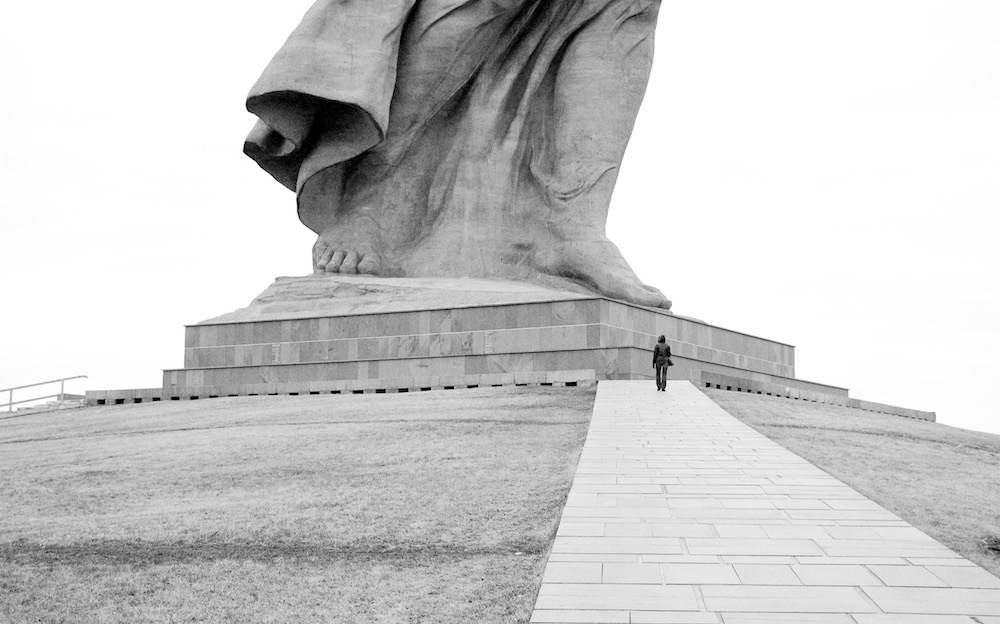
<point x="341" y="334"/>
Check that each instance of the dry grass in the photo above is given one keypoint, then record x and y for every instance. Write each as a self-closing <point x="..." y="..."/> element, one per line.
<point x="943" y="480"/>
<point x="430" y="507"/>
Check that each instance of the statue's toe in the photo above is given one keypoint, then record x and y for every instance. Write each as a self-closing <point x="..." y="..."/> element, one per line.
<point x="350" y="264"/>
<point x="370" y="264"/>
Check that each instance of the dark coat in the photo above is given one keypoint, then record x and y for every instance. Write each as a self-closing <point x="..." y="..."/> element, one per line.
<point x="660" y="353"/>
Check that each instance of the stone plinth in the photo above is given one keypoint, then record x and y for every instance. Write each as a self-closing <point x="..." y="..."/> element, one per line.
<point x="328" y="334"/>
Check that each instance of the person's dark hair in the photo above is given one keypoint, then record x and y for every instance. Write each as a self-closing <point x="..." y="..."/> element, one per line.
<point x="661" y="339"/>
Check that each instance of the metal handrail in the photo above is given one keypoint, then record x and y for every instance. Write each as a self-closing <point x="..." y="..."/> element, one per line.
<point x="62" y="386"/>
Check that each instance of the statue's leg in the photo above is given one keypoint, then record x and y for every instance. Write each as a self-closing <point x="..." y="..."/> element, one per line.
<point x="445" y="43"/>
<point x="600" y="85"/>
<point x="343" y="56"/>
<point x="350" y="238"/>
<point x="442" y="46"/>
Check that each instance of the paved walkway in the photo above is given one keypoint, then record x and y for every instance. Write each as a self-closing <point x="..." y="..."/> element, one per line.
<point x="681" y="514"/>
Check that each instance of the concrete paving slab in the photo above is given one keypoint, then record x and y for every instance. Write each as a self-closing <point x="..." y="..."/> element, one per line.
<point x="594" y="558"/>
<point x="632" y="573"/>
<point x="845" y="575"/>
<point x="572" y="572"/>
<point x="767" y="574"/>
<point x="787" y="618"/>
<point x="581" y="529"/>
<point x="951" y="562"/>
<point x="681" y="514"/>
<point x="578" y="616"/>
<point x="618" y="545"/>
<point x="917" y="619"/>
<point x="631" y="529"/>
<point x="700" y="574"/>
<point x="827" y="560"/>
<point x="751" y="546"/>
<point x="936" y="601"/>
<point x="785" y="599"/>
<point x="666" y="617"/>
<point x="682" y="530"/>
<point x="751" y="560"/>
<point x="747" y="531"/>
<point x="612" y="597"/>
<point x="794" y="532"/>
<point x="906" y="576"/>
<point x="681" y="559"/>
<point x="968" y="577"/>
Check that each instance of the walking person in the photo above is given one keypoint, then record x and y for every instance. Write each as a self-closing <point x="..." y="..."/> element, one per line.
<point x="661" y="361"/>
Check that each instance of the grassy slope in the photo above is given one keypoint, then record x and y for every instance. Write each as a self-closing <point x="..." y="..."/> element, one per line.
<point x="430" y="507"/>
<point x="943" y="480"/>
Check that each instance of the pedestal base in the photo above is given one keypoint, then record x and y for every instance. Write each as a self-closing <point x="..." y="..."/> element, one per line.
<point x="339" y="334"/>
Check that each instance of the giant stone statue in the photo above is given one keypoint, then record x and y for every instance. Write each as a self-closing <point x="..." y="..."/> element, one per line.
<point x="459" y="138"/>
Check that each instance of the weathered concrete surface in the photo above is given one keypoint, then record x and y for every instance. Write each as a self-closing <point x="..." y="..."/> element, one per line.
<point x="326" y="294"/>
<point x="430" y="138"/>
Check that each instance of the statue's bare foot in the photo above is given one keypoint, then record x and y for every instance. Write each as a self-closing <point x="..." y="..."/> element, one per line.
<point x="336" y="253"/>
<point x="598" y="264"/>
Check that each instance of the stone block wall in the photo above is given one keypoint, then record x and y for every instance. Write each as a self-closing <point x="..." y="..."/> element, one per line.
<point x="458" y="346"/>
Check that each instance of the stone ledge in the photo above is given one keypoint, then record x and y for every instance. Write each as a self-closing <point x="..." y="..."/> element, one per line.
<point x="565" y="378"/>
<point x="122" y="397"/>
<point x="806" y="391"/>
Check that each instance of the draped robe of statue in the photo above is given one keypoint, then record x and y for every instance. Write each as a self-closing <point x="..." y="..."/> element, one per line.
<point x="465" y="138"/>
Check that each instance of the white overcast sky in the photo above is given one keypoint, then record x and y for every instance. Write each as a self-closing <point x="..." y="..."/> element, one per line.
<point x="823" y="173"/>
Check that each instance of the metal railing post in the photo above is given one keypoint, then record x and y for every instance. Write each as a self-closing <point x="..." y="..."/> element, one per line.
<point x="61" y="396"/>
